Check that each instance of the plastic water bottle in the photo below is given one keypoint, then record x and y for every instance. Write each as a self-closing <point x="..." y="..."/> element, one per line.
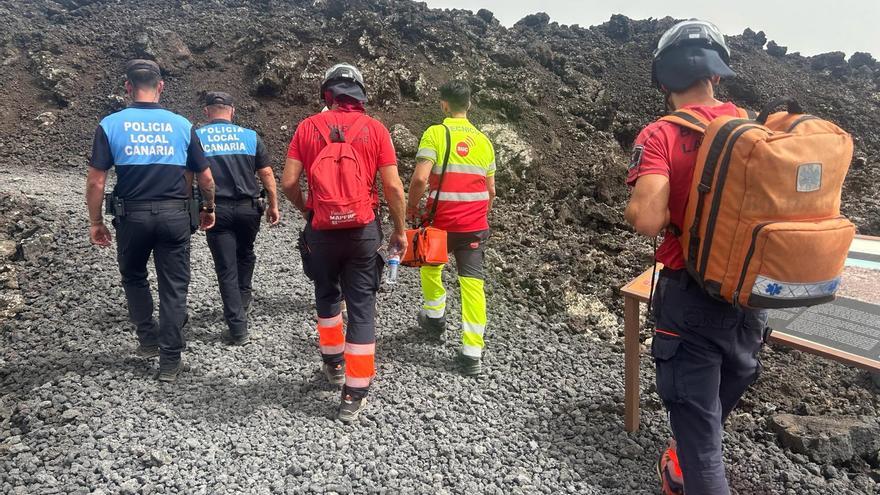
<point x="393" y="266"/>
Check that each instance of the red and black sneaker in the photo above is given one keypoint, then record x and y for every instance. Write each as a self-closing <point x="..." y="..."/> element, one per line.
<point x="669" y="471"/>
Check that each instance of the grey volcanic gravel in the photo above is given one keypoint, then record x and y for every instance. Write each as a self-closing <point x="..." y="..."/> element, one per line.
<point x="80" y="414"/>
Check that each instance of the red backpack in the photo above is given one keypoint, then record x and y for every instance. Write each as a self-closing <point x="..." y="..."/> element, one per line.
<point x="340" y="181"/>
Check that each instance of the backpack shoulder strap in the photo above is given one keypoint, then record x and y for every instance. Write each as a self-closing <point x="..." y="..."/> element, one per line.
<point x="688" y="119"/>
<point x="745" y="113"/>
<point x="356" y="128"/>
<point x="323" y="126"/>
<point x="430" y="219"/>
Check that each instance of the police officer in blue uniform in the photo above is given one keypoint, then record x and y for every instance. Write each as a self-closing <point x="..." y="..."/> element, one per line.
<point x="155" y="154"/>
<point x="237" y="155"/>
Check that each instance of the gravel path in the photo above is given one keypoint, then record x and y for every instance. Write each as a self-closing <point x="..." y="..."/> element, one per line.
<point x="80" y="414"/>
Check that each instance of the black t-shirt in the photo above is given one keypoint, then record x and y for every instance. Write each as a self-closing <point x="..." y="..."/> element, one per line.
<point x="151" y="149"/>
<point x="235" y="154"/>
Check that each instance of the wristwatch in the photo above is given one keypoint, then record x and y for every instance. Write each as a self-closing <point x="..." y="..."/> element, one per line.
<point x="208" y="209"/>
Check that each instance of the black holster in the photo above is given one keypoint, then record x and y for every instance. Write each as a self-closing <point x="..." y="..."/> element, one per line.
<point x="261" y="202"/>
<point x="114" y="205"/>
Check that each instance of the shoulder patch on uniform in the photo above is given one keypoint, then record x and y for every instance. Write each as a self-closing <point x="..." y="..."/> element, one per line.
<point x="636" y="158"/>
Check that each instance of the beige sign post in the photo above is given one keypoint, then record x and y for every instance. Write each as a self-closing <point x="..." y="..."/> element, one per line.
<point x="846" y="330"/>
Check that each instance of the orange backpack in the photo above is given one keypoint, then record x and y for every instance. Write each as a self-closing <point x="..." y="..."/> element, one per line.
<point x="763" y="227"/>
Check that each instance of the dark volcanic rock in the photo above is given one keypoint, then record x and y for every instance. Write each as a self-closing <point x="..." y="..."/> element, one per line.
<point x="534" y="21"/>
<point x="776" y="50"/>
<point x="828" y="439"/>
<point x="827" y="61"/>
<point x="166" y="47"/>
<point x="862" y="59"/>
<point x="753" y="39"/>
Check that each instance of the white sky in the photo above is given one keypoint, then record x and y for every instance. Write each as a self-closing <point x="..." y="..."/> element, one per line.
<point x="807" y="26"/>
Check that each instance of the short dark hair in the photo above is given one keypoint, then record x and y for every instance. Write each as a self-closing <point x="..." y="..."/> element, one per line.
<point x="217" y="107"/>
<point x="143" y="79"/>
<point x="457" y="94"/>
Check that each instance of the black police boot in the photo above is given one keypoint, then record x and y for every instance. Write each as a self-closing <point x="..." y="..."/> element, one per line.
<point x="434" y="327"/>
<point x="469" y="366"/>
<point x="230" y="339"/>
<point x="350" y="408"/>
<point x="168" y="372"/>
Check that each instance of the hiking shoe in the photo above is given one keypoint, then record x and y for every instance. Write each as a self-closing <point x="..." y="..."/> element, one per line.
<point x="669" y="471"/>
<point x="350" y="408"/>
<point x="147" y="351"/>
<point x="469" y="366"/>
<point x="435" y="327"/>
<point x="228" y="338"/>
<point x="335" y="373"/>
<point x="169" y="372"/>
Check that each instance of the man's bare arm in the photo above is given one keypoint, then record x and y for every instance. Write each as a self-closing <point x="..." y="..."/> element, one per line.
<point x="267" y="177"/>
<point x="648" y="208"/>
<point x="490" y="186"/>
<point x="95" y="186"/>
<point x="419" y="182"/>
<point x="290" y="183"/>
<point x="394" y="196"/>
<point x="207" y="187"/>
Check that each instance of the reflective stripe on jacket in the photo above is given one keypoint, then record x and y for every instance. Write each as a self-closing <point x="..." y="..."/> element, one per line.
<point x="464" y="197"/>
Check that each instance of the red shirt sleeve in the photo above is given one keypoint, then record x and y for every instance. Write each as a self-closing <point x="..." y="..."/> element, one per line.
<point x="651" y="153"/>
<point x="295" y="149"/>
<point x="387" y="155"/>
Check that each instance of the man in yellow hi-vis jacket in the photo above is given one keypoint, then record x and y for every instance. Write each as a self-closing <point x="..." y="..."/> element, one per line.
<point x="463" y="203"/>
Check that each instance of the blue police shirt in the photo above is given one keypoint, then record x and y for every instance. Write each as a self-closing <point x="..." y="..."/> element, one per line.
<point x="151" y="148"/>
<point x="234" y="153"/>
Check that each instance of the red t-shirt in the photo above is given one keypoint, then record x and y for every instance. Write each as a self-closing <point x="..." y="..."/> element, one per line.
<point x="664" y="148"/>
<point x="374" y="143"/>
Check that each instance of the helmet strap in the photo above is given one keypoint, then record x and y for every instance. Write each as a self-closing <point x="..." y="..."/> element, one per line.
<point x="667" y="101"/>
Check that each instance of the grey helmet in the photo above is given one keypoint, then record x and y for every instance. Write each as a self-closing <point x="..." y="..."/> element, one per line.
<point x="699" y="39"/>
<point x="697" y="32"/>
<point x="343" y="72"/>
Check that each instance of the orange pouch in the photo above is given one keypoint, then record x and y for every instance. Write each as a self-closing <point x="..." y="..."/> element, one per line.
<point x="425" y="246"/>
<point x="792" y="264"/>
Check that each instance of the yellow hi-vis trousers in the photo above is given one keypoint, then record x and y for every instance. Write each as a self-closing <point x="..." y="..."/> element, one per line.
<point x="469" y="259"/>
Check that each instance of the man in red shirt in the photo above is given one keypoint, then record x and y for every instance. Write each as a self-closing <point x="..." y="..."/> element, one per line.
<point x="345" y="263"/>
<point x="705" y="350"/>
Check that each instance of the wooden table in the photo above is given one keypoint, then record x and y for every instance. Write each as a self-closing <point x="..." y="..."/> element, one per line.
<point x="634" y="294"/>
<point x="637" y="292"/>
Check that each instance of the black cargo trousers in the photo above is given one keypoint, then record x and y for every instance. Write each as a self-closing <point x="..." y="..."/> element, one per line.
<point x="163" y="230"/>
<point x="346" y="265"/>
<point x="706" y="356"/>
<point x="231" y="242"/>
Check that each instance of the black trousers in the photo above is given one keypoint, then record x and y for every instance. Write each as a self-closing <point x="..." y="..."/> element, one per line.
<point x="346" y="264"/>
<point x="706" y="356"/>
<point x="166" y="235"/>
<point x="231" y="242"/>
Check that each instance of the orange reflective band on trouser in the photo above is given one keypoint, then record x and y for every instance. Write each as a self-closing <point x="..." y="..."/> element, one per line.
<point x="360" y="364"/>
<point x="330" y="337"/>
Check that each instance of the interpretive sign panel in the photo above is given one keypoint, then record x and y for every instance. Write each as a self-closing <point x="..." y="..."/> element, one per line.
<point x="847" y="329"/>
